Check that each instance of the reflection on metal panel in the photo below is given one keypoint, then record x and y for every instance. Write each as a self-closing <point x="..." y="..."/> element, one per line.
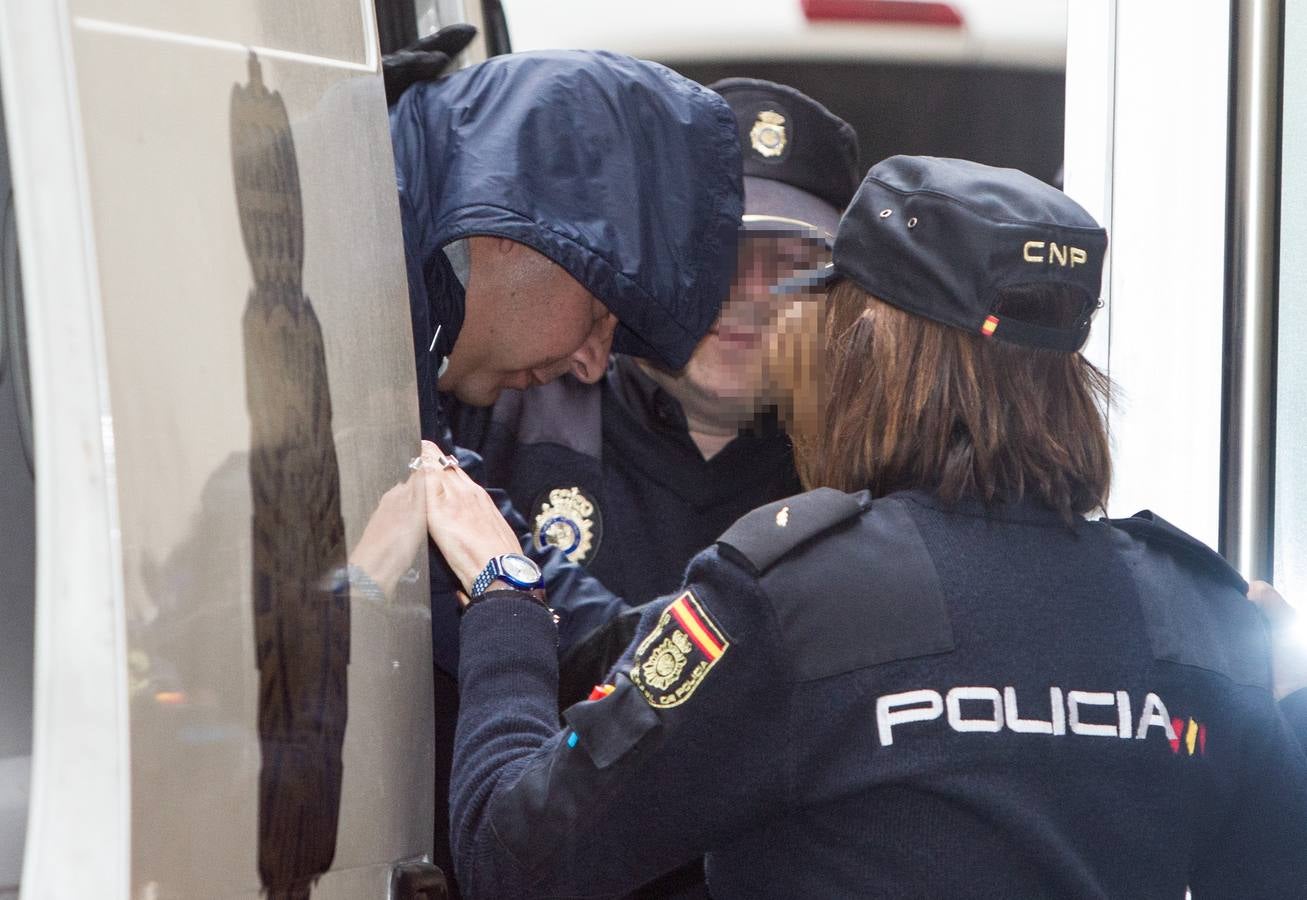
<point x="181" y="324"/>
<point x="301" y="605"/>
<point x="1291" y="381"/>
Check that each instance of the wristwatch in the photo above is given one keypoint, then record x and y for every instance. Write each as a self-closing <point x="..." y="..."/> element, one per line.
<point x="513" y="568"/>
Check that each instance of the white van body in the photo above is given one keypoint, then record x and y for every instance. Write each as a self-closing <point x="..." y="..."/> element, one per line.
<point x="980" y="79"/>
<point x="988" y="32"/>
<point x="145" y="754"/>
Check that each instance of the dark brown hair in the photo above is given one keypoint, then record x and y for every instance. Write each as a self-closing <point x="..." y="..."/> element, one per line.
<point x="910" y="403"/>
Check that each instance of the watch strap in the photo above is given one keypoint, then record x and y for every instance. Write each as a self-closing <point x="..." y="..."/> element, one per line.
<point x="486" y="578"/>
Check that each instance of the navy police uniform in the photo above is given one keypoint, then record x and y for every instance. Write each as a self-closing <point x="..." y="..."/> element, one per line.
<point x="857" y="696"/>
<point x="893" y="698"/>
<point x="610" y="474"/>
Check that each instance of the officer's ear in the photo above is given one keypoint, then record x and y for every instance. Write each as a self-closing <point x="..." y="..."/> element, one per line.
<point x="590" y="360"/>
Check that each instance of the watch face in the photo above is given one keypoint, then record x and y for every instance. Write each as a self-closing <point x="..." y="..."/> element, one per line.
<point x="520" y="569"/>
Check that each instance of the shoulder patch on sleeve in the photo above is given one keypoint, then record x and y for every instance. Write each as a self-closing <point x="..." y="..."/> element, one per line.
<point x="770" y="532"/>
<point x="677" y="655"/>
<point x="1158" y="532"/>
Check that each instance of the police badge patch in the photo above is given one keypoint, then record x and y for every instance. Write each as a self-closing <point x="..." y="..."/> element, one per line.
<point x="568" y="518"/>
<point x="678" y="654"/>
<point x="767" y="137"/>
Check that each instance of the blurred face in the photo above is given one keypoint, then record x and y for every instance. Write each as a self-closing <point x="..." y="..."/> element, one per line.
<point x="723" y="384"/>
<point x="526" y="322"/>
<point x="793" y="368"/>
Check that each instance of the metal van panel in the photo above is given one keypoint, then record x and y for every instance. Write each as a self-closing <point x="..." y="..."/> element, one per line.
<point x="341" y="30"/>
<point x="158" y="134"/>
<point x="139" y="280"/>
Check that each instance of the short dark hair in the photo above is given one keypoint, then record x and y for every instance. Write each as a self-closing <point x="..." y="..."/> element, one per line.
<point x="911" y="403"/>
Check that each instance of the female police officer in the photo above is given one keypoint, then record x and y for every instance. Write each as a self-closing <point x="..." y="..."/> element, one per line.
<point x="946" y="684"/>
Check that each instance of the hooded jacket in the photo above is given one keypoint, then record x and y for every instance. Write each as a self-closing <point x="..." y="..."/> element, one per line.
<point x="621" y="171"/>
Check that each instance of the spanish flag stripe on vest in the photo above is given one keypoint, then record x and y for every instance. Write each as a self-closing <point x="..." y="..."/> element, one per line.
<point x="688" y="620"/>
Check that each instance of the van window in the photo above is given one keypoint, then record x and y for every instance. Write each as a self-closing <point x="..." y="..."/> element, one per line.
<point x="17" y="548"/>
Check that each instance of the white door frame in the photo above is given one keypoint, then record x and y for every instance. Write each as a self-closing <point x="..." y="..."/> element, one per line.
<point x="79" y="821"/>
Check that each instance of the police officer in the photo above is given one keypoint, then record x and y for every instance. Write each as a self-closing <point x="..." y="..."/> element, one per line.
<point x="947" y="683"/>
<point x="635" y="474"/>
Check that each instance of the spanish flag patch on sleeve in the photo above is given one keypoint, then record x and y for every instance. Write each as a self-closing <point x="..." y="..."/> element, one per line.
<point x="678" y="653"/>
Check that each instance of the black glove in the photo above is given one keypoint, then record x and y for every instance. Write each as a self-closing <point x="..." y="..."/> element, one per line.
<point x="424" y="59"/>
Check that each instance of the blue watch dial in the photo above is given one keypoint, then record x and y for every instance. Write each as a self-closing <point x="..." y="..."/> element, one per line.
<point x="519" y="571"/>
<point x="513" y="568"/>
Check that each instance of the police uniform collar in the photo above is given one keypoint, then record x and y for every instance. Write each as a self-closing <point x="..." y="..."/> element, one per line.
<point x="660" y="449"/>
<point x="1027" y="510"/>
<point x="653" y="405"/>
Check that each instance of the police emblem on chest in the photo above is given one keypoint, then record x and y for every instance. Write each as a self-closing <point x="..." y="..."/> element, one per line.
<point x="568" y="518"/>
<point x="678" y="654"/>
<point x="767" y="136"/>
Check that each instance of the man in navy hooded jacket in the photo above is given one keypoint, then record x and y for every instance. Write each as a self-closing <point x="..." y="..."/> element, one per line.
<point x="555" y="205"/>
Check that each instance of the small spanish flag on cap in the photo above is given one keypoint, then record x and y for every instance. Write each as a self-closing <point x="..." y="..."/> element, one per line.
<point x="990" y="326"/>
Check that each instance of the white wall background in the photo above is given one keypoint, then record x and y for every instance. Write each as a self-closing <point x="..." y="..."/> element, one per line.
<point x="1146" y="153"/>
<point x="1291" y="401"/>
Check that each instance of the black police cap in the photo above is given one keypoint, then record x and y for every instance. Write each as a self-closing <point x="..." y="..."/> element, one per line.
<point x="942" y="238"/>
<point x="800" y="159"/>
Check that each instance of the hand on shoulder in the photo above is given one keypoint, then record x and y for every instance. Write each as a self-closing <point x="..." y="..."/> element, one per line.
<point x="1288" y="639"/>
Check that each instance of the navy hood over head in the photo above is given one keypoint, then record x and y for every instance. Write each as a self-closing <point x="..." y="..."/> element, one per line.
<point x="619" y="170"/>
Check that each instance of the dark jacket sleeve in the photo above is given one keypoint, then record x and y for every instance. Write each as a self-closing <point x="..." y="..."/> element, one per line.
<point x="634" y="785"/>
<point x="1261" y="851"/>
